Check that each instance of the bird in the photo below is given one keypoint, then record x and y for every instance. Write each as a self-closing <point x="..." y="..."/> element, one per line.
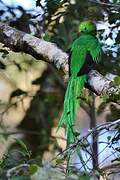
<point x="85" y="52"/>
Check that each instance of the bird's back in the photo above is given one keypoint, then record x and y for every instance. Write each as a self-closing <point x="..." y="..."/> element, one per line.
<point x="83" y="45"/>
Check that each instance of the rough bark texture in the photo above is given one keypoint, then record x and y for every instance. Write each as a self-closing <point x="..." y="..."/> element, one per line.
<point x="42" y="50"/>
<point x="19" y="41"/>
<point x="101" y="85"/>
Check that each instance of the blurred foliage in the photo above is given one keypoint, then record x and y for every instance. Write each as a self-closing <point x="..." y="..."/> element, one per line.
<point x="21" y="166"/>
<point x="114" y="113"/>
<point x="117" y="80"/>
<point x="57" y="21"/>
<point x="41" y="118"/>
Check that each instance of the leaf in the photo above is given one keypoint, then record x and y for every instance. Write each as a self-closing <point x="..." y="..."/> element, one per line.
<point x="59" y="161"/>
<point x="117" y="80"/>
<point x="22" y="144"/>
<point x="33" y="169"/>
<point x="47" y="37"/>
<point x="84" y="177"/>
<point x="105" y="98"/>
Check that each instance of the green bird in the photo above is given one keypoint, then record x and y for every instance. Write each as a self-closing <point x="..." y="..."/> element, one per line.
<point x="85" y="52"/>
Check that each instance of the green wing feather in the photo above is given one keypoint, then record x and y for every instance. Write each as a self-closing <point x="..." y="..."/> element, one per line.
<point x="81" y="46"/>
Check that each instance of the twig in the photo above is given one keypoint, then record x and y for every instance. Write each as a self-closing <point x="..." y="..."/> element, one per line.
<point x="106" y="125"/>
<point x="106" y="4"/>
<point x="72" y="147"/>
<point x="15" y="169"/>
<point x="111" y="166"/>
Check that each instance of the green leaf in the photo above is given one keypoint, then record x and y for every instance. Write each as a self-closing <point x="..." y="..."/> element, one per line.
<point x="59" y="161"/>
<point x="22" y="144"/>
<point x="117" y="80"/>
<point x="47" y="37"/>
<point x="33" y="169"/>
<point x="84" y="177"/>
<point x="105" y="98"/>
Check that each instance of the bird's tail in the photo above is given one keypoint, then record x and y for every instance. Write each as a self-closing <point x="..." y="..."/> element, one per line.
<point x="71" y="102"/>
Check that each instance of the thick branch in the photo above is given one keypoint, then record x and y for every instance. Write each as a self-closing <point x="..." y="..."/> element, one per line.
<point x="19" y="41"/>
<point x="42" y="50"/>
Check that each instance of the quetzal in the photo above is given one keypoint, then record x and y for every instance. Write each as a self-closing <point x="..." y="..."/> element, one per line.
<point x="85" y="52"/>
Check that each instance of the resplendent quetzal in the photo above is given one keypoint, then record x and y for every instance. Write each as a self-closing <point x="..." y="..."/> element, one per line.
<point x="85" y="52"/>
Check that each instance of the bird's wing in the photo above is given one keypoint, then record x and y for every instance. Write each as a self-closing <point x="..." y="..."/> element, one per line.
<point x="87" y="66"/>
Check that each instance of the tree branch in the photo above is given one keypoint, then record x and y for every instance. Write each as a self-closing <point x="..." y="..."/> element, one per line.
<point x="101" y="85"/>
<point x="19" y="41"/>
<point x="106" y="4"/>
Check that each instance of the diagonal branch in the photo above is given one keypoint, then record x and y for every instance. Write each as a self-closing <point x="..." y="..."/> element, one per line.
<point x="106" y="4"/>
<point x="19" y="41"/>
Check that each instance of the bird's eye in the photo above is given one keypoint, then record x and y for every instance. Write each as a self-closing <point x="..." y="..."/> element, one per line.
<point x="85" y="28"/>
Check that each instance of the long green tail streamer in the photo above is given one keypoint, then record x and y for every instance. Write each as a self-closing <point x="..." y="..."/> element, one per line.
<point x="71" y="103"/>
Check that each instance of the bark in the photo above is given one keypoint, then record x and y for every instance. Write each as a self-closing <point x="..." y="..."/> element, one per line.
<point x="19" y="41"/>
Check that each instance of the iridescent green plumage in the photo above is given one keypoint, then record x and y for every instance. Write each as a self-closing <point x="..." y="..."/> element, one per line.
<point x="84" y="48"/>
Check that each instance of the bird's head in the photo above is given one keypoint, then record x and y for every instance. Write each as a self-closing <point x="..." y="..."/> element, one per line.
<point x="87" y="27"/>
